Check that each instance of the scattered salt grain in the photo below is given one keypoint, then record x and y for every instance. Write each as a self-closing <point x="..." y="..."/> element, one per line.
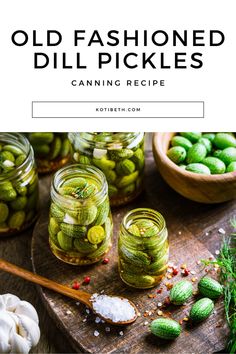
<point x="113" y="308"/>
<point x="85" y="319"/>
<point x="192" y="272"/>
<point x="217" y="252"/>
<point x="221" y="231"/>
<point x="207" y="233"/>
<point x="107" y="329"/>
<point x="68" y="312"/>
<point x="121" y="333"/>
<point x="145" y="323"/>
<point x="77" y="303"/>
<point x="179" y="232"/>
<point x="87" y="311"/>
<point x="97" y="320"/>
<point x="96" y="333"/>
<point x="159" y="304"/>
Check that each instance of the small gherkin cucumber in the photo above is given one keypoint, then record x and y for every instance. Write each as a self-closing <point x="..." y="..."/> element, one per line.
<point x="201" y="309"/>
<point x="55" y="148"/>
<point x="64" y="241"/>
<point x="7" y="192"/>
<point x="65" y="148"/>
<point x="76" y="231"/>
<point x="193" y="137"/>
<point x="138" y="159"/>
<point x="198" y="168"/>
<point x="207" y="143"/>
<point x="231" y="167"/>
<point x="120" y="154"/>
<point x="209" y="287"/>
<point x="181" y="141"/>
<point x="228" y="155"/>
<point x="136" y="257"/>
<point x="165" y="328"/>
<point x="139" y="281"/>
<point x="104" y="163"/>
<point x="57" y="212"/>
<point x="177" y="154"/>
<point x="215" y="165"/>
<point x="19" y="203"/>
<point x="125" y="167"/>
<point x="209" y="136"/>
<point x="86" y="215"/>
<point x="181" y="292"/>
<point x="126" y="180"/>
<point x="16" y="219"/>
<point x="4" y="212"/>
<point x="41" y="138"/>
<point x="224" y="140"/>
<point x="102" y="212"/>
<point x="84" y="246"/>
<point x="76" y="182"/>
<point x="196" y="153"/>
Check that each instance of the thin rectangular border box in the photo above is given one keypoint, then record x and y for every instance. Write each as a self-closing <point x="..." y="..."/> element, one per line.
<point x="117" y="102"/>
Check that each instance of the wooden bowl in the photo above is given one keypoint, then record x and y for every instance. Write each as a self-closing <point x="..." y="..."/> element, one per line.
<point x="198" y="187"/>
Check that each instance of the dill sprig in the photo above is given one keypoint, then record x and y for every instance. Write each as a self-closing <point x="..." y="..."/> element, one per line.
<point x="227" y="262"/>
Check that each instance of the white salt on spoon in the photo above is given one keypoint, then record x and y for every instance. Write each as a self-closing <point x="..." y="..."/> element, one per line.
<point x="114" y="309"/>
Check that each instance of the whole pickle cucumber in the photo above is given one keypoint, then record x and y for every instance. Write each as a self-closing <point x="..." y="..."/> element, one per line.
<point x="207" y="143"/>
<point x="125" y="167"/>
<point x="126" y="180"/>
<point x="181" y="292"/>
<point x="209" y="287"/>
<point x="139" y="281"/>
<point x="165" y="328"/>
<point x="177" y="154"/>
<point x="198" y="168"/>
<point x="120" y="154"/>
<point x="41" y="138"/>
<point x="138" y="159"/>
<point x="65" y="242"/>
<point x="224" y="140"/>
<point x="4" y="212"/>
<point x="196" y="153"/>
<point x="75" y="231"/>
<point x="193" y="137"/>
<point x="86" y="215"/>
<point x="84" y="246"/>
<point x="16" y="219"/>
<point x="209" y="136"/>
<point x="228" y="155"/>
<point x="102" y="212"/>
<point x="181" y="141"/>
<point x="136" y="257"/>
<point x="55" y="148"/>
<point x="215" y="165"/>
<point x="201" y="309"/>
<point x="231" y="167"/>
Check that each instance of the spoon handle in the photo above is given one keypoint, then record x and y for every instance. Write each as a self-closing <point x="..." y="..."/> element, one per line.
<point x="47" y="283"/>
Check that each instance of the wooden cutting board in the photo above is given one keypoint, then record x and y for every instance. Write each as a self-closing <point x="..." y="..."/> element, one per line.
<point x="186" y="222"/>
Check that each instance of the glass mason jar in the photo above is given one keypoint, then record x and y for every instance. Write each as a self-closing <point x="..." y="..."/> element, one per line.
<point x="18" y="184"/>
<point x="143" y="248"/>
<point x="119" y="155"/>
<point x="52" y="150"/>
<point x="80" y="222"/>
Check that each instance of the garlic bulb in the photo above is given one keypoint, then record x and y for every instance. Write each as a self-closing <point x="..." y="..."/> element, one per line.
<point x="19" y="330"/>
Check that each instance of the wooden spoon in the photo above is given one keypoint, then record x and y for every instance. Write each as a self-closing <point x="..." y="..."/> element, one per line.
<point x="78" y="295"/>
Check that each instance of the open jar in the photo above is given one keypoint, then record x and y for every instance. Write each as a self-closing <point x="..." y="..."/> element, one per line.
<point x="52" y="150"/>
<point x="18" y="184"/>
<point x="119" y="155"/>
<point x="143" y="248"/>
<point x="80" y="222"/>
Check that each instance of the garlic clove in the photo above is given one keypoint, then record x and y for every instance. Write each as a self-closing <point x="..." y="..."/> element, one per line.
<point x="26" y="309"/>
<point x="18" y="344"/>
<point x="29" y="330"/>
<point x="10" y="301"/>
<point x="6" y="325"/>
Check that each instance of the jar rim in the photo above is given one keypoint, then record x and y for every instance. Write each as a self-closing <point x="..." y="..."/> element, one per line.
<point x="147" y="213"/>
<point x="120" y="138"/>
<point x="15" y="139"/>
<point x="61" y="173"/>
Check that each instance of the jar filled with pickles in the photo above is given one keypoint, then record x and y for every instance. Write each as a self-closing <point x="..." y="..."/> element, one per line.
<point x="119" y="155"/>
<point x="18" y="184"/>
<point x="143" y="248"/>
<point x="80" y="222"/>
<point x="52" y="150"/>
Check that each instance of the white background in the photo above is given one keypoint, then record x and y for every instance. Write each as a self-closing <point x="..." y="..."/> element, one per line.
<point x="21" y="84"/>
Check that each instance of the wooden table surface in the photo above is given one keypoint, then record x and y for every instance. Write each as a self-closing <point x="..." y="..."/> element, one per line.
<point x="18" y="250"/>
